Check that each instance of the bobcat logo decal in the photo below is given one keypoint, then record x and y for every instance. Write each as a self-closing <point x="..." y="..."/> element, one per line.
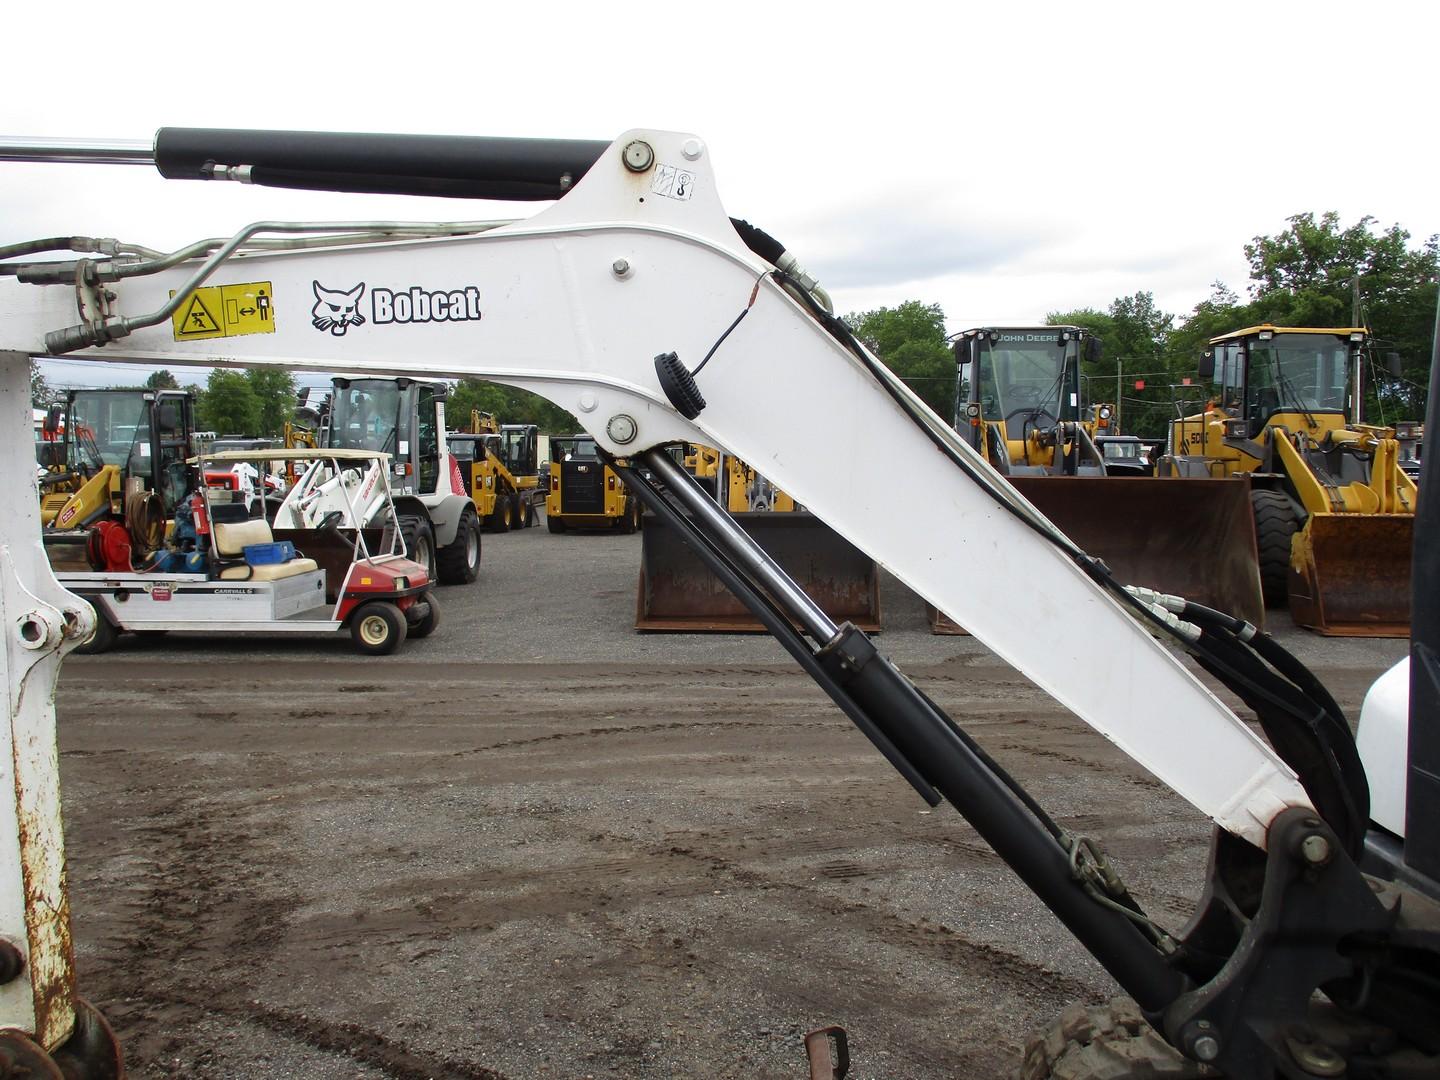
<point x="336" y="311"/>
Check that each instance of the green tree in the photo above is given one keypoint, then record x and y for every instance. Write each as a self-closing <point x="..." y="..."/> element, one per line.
<point x="508" y="405"/>
<point x="229" y="405"/>
<point x="275" y="391"/>
<point x="162" y="380"/>
<point x="910" y="341"/>
<point x="40" y="392"/>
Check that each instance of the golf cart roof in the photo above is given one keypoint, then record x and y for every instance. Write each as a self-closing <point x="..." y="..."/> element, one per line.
<point x="281" y="454"/>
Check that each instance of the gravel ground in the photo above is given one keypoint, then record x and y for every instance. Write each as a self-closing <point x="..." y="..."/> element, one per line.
<point x="540" y="844"/>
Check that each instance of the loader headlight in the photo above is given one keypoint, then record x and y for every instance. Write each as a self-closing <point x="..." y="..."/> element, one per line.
<point x="1105" y="413"/>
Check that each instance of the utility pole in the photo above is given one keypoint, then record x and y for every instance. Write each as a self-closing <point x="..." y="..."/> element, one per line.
<point x="1119" y="367"/>
<point x="1359" y="402"/>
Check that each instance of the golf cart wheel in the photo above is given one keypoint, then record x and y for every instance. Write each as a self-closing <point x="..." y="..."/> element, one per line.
<point x="426" y="626"/>
<point x="419" y="538"/>
<point x="459" y="561"/>
<point x="1105" y="1042"/>
<point x="104" y="637"/>
<point x="377" y="628"/>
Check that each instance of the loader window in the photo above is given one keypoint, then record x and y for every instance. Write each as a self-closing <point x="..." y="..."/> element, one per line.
<point x="1297" y="373"/>
<point x="116" y="423"/>
<point x="428" y="438"/>
<point x="1021" y="375"/>
<point x="366" y="416"/>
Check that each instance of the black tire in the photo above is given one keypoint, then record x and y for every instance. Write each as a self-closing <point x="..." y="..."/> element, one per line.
<point x="459" y="561"/>
<point x="419" y="537"/>
<point x="502" y="517"/>
<point x="1275" y="524"/>
<point x="626" y="521"/>
<point x="104" y="637"/>
<point x="526" y="513"/>
<point x="1105" y="1042"/>
<point x="426" y="626"/>
<point x="554" y="524"/>
<point x="377" y="628"/>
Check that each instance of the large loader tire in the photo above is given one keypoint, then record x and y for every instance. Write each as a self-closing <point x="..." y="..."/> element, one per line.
<point x="459" y="561"/>
<point x="1275" y="524"/>
<point x="1105" y="1042"/>
<point x="554" y="524"/>
<point x="419" y="536"/>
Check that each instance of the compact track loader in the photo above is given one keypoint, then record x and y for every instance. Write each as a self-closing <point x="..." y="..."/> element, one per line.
<point x="1314" y="949"/>
<point x="1334" y="507"/>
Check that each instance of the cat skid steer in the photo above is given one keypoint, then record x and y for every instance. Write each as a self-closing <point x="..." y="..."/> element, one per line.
<point x="637" y="302"/>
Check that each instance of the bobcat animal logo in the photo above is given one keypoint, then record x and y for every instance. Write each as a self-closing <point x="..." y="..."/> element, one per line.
<point x="335" y="310"/>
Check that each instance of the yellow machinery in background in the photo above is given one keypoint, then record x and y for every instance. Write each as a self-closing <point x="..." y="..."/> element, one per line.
<point x="678" y="593"/>
<point x="1334" y="509"/>
<point x="585" y="493"/>
<point x="121" y="469"/>
<point x="499" y="467"/>
<point x="1019" y="404"/>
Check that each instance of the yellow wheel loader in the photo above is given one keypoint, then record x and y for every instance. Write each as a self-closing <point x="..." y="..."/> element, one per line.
<point x="118" y="447"/>
<point x="500" y="470"/>
<point x="1334" y="506"/>
<point x="1019" y="405"/>
<point x="677" y="593"/>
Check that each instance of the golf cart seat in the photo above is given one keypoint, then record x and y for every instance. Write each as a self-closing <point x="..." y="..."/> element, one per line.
<point x="231" y="540"/>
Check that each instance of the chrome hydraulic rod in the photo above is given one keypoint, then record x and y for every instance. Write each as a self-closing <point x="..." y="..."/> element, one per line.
<point x="77" y="151"/>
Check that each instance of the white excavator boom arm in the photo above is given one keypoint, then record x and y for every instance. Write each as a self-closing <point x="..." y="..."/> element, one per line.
<point x="575" y="303"/>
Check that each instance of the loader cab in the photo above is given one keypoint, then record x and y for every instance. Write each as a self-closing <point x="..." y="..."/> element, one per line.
<point x="1298" y="378"/>
<point x="146" y="434"/>
<point x="401" y="417"/>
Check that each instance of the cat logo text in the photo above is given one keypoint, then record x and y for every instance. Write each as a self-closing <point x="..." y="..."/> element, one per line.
<point x="336" y="310"/>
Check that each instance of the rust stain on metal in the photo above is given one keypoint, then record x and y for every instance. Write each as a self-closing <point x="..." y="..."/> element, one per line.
<point x="1350" y="574"/>
<point x="828" y="1051"/>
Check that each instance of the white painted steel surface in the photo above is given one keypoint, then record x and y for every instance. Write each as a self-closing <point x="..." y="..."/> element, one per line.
<point x="190" y="602"/>
<point x="576" y="302"/>
<point x="34" y="614"/>
<point x="1383" y="739"/>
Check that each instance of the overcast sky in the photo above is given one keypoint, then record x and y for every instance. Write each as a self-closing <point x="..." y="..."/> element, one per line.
<point x="1004" y="160"/>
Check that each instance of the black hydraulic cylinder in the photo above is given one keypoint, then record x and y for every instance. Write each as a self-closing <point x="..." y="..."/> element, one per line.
<point x="468" y="167"/>
<point x="942" y="756"/>
<point x="1422" y="793"/>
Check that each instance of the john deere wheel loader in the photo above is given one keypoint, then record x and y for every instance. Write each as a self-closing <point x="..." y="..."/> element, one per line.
<point x="1334" y="508"/>
<point x="1019" y="406"/>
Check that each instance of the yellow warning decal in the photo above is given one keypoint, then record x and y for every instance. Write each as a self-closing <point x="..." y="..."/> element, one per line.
<point x="225" y="311"/>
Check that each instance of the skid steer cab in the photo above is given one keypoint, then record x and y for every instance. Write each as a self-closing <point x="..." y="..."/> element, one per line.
<point x="330" y="559"/>
<point x="585" y="493"/>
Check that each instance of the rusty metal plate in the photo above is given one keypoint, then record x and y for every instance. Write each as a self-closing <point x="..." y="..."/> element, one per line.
<point x="1191" y="537"/>
<point x="677" y="593"/>
<point x="1350" y="574"/>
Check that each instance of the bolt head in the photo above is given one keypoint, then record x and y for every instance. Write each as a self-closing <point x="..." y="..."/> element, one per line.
<point x="621" y="267"/>
<point x="588" y="401"/>
<point x="639" y="155"/>
<point x="1315" y="849"/>
<point x="1206" y="1048"/>
<point x="622" y="428"/>
<point x="692" y="149"/>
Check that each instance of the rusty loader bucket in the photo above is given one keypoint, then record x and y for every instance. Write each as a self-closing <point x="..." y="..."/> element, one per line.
<point x="1350" y="574"/>
<point x="1191" y="537"/>
<point x="678" y="593"/>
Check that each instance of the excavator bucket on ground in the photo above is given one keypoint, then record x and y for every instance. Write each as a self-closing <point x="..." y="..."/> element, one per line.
<point x="1191" y="537"/>
<point x="678" y="593"/>
<point x="1350" y="574"/>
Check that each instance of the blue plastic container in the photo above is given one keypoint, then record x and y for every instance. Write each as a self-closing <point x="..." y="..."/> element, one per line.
<point x="269" y="554"/>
